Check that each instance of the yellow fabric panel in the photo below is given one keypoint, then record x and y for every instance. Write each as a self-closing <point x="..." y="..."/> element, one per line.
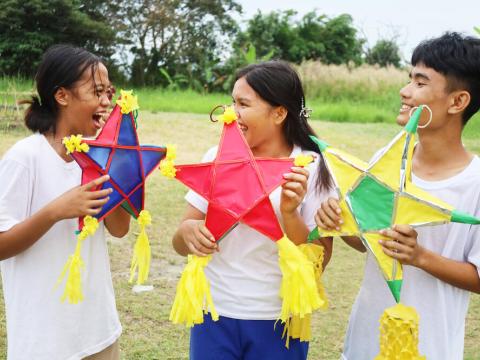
<point x="360" y="164"/>
<point x="385" y="262"/>
<point x="414" y="212"/>
<point x="421" y="194"/>
<point x="387" y="167"/>
<point x="344" y="174"/>
<point x="349" y="226"/>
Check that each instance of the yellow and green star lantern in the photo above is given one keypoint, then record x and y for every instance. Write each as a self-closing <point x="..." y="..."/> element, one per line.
<point x="377" y="195"/>
<point x="381" y="194"/>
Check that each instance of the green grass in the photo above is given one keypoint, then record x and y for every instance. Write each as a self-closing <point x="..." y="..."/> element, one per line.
<point x="147" y="332"/>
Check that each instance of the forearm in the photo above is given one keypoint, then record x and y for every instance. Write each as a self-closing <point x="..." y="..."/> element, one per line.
<point x="463" y="275"/>
<point x="327" y="244"/>
<point x="118" y="222"/>
<point x="24" y="234"/>
<point x="295" y="228"/>
<point x="354" y="242"/>
<point x="178" y="243"/>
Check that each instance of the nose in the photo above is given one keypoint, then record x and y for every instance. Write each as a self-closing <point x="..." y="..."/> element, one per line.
<point x="105" y="100"/>
<point x="405" y="92"/>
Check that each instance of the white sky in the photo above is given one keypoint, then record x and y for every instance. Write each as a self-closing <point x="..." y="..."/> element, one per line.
<point x="409" y="20"/>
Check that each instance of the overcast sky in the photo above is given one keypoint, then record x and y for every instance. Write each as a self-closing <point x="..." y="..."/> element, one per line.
<point x="410" y="21"/>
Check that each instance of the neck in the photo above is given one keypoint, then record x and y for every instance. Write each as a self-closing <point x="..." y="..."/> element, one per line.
<point x="273" y="149"/>
<point x="55" y="141"/>
<point x="440" y="153"/>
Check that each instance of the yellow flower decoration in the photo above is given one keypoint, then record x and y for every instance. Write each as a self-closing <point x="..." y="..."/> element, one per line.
<point x="127" y="102"/>
<point x="229" y="115"/>
<point x="74" y="143"/>
<point x="303" y="160"/>
<point x="167" y="168"/>
<point x="90" y="225"/>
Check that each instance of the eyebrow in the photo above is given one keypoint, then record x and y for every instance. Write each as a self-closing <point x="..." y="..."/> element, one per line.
<point x="418" y="75"/>
<point x="242" y="99"/>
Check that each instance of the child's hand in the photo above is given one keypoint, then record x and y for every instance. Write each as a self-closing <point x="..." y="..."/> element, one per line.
<point x="198" y="239"/>
<point x="81" y="200"/>
<point x="328" y="215"/>
<point x="403" y="245"/>
<point x="294" y="190"/>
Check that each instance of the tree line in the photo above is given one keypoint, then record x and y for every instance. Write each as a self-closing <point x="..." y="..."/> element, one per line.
<point x="194" y="44"/>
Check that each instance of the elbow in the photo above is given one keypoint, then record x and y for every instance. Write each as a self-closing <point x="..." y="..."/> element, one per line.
<point x="120" y="231"/>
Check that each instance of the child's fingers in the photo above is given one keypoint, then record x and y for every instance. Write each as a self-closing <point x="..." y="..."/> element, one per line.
<point x="205" y="232"/>
<point x="335" y="205"/>
<point x="294" y="186"/>
<point x="202" y="242"/>
<point x="93" y="204"/>
<point x="96" y="182"/>
<point x="326" y="221"/>
<point x="398" y="237"/>
<point x="193" y="250"/>
<point x="331" y="213"/>
<point x="290" y="194"/>
<point x="300" y="170"/>
<point x="405" y="230"/>
<point x="99" y="194"/>
<point x="296" y="178"/>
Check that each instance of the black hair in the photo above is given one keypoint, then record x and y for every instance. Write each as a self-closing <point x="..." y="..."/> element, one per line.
<point x="61" y="66"/>
<point x="457" y="57"/>
<point x="278" y="84"/>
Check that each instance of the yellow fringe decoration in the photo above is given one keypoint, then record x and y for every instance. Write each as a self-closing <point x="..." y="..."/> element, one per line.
<point x="141" y="253"/>
<point x="127" y="101"/>
<point x="399" y="334"/>
<point x="167" y="165"/>
<point x="229" y="115"/>
<point x="74" y="266"/>
<point x="303" y="160"/>
<point x="193" y="296"/>
<point x="301" y="328"/>
<point x="74" y="143"/>
<point x="298" y="289"/>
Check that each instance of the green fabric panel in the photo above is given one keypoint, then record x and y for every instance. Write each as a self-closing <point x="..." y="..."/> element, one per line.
<point x="322" y="145"/>
<point x="464" y="218"/>
<point x="314" y="235"/>
<point x="395" y="287"/>
<point x="372" y="204"/>
<point x="127" y="207"/>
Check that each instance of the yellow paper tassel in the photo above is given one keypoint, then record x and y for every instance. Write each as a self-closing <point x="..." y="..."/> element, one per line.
<point x="399" y="334"/>
<point x="229" y="115"/>
<point x="74" y="266"/>
<point x="141" y="253"/>
<point x="193" y="296"/>
<point x="171" y="152"/>
<point x="74" y="143"/>
<point x="298" y="290"/>
<point x="127" y="101"/>
<point x="300" y="328"/>
<point x="303" y="160"/>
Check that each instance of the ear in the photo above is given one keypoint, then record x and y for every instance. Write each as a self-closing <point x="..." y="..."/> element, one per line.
<point x="280" y="113"/>
<point x="62" y="96"/>
<point x="458" y="102"/>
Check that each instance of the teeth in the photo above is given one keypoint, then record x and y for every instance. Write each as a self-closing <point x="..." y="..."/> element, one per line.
<point x="405" y="107"/>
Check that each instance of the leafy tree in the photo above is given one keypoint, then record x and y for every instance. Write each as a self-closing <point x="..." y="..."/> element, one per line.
<point x="384" y="53"/>
<point x="28" y="28"/>
<point x="184" y="37"/>
<point x="317" y="37"/>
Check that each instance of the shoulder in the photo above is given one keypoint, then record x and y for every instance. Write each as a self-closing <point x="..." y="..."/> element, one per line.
<point x="24" y="149"/>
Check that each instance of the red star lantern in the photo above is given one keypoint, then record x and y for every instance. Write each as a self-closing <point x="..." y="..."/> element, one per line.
<point x="237" y="187"/>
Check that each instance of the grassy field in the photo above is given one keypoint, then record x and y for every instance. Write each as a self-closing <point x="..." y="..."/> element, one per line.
<point x="147" y="332"/>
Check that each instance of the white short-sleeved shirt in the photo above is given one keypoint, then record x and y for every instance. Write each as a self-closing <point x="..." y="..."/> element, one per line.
<point x="442" y="308"/>
<point x="245" y="276"/>
<point x="39" y="325"/>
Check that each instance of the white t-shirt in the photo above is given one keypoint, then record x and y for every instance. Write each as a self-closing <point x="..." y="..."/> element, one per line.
<point x="245" y="276"/>
<point x="442" y="308"/>
<point x="39" y="325"/>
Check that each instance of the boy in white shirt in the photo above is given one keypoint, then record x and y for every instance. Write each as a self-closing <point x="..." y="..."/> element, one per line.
<point x="441" y="263"/>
